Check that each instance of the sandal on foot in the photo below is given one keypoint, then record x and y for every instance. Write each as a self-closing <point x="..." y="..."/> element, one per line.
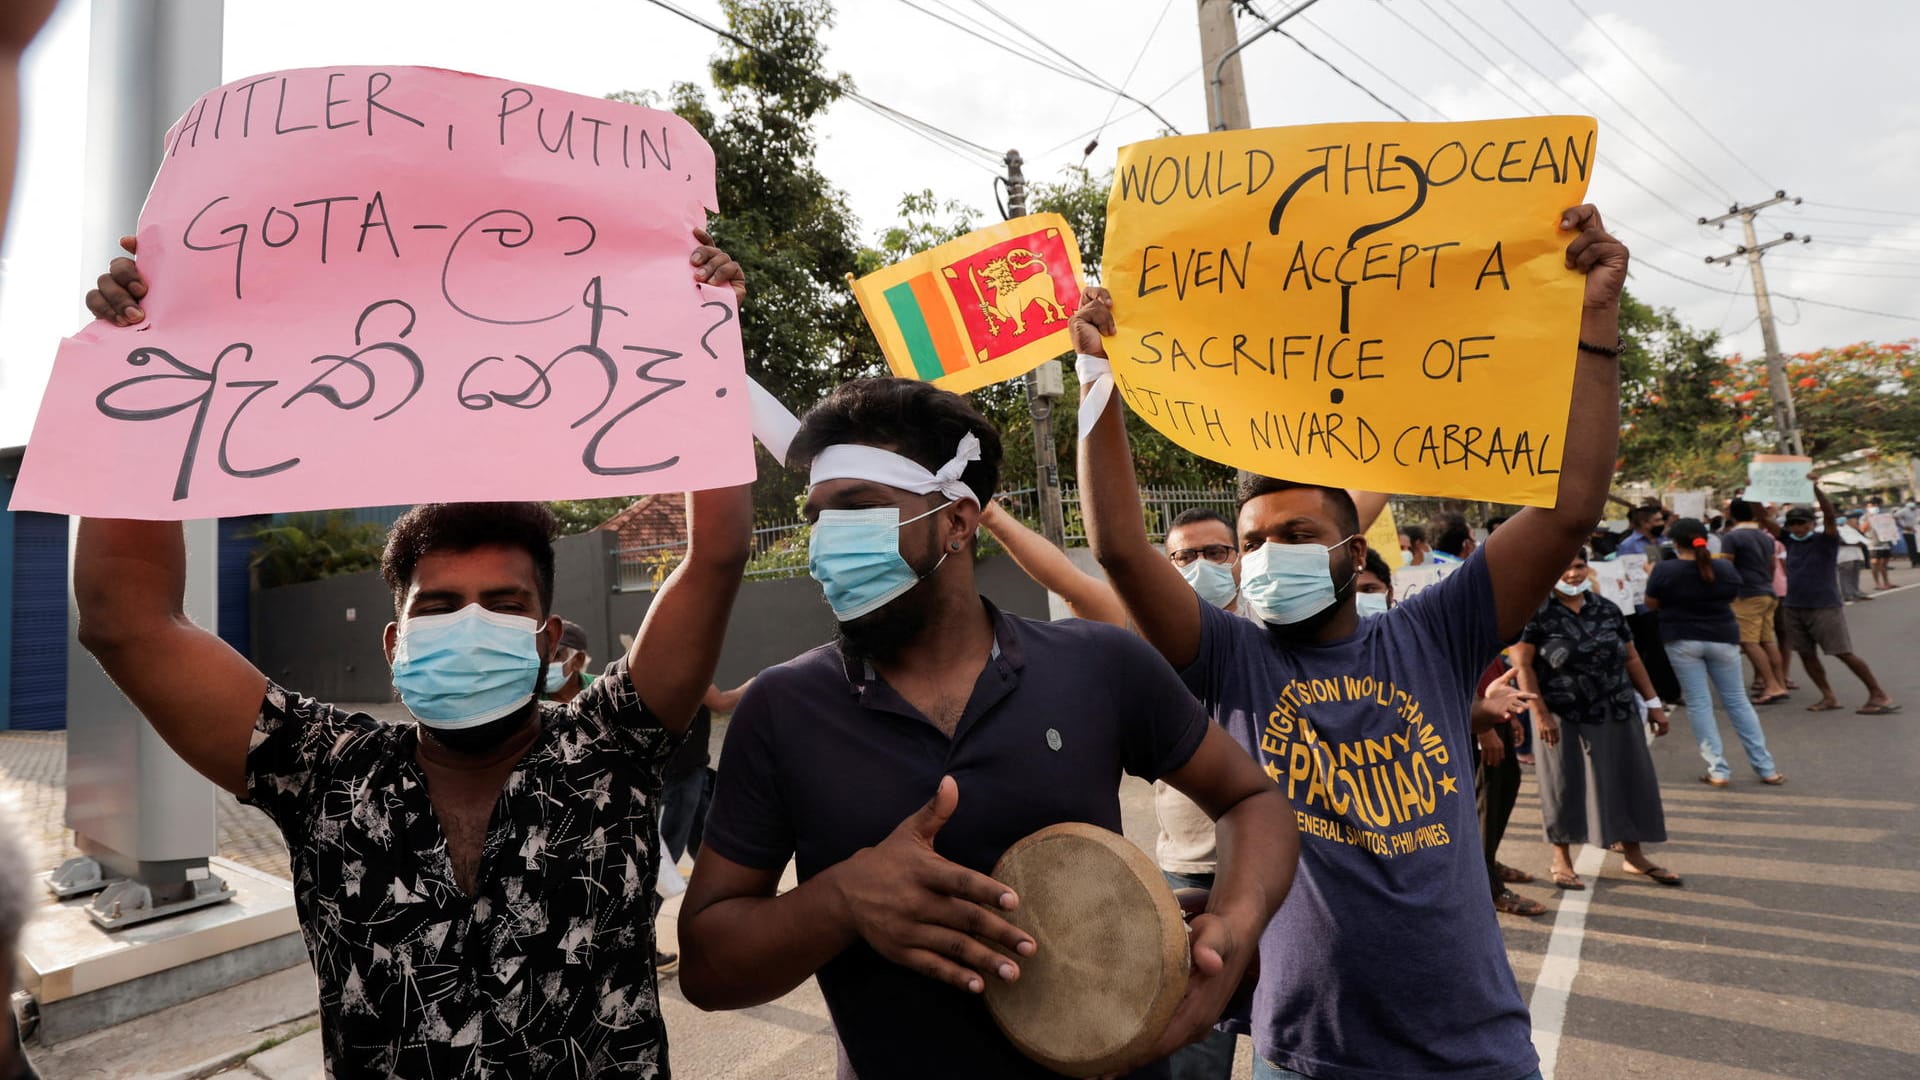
<point x="1657" y="873"/>
<point x="1775" y="780"/>
<point x="1878" y="710"/>
<point x="1774" y="700"/>
<point x="1713" y="781"/>
<point x="1512" y="903"/>
<point x="1825" y="706"/>
<point x="1511" y="875"/>
<point x="1567" y="880"/>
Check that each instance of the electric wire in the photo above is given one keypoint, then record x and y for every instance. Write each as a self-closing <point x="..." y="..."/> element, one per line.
<point x="1125" y="81"/>
<point x="1657" y="268"/>
<point x="982" y="157"/>
<point x="1481" y="53"/>
<point x="1608" y="94"/>
<point x="1728" y="150"/>
<point x="1330" y="36"/>
<point x="1049" y="46"/>
<point x="1356" y="83"/>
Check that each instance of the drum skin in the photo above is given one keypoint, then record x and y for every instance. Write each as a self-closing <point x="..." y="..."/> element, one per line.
<point x="1111" y="961"/>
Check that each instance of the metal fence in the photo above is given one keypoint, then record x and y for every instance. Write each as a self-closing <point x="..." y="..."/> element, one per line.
<point x="780" y="548"/>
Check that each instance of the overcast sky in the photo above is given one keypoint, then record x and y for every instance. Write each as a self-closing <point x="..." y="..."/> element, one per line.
<point x="1817" y="100"/>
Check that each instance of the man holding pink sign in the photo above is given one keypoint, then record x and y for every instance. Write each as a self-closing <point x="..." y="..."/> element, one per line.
<point x="476" y="888"/>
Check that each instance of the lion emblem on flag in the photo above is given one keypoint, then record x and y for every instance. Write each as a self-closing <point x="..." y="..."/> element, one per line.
<point x="1013" y="296"/>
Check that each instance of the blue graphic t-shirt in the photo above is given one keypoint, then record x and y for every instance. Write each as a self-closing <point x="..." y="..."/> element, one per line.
<point x="1385" y="960"/>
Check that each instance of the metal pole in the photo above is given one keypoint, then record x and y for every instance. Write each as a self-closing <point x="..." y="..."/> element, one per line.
<point x="139" y="811"/>
<point x="1211" y="40"/>
<point x="1786" y="423"/>
<point x="1046" y="462"/>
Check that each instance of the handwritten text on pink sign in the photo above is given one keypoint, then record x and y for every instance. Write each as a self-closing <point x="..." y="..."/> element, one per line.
<point x="378" y="286"/>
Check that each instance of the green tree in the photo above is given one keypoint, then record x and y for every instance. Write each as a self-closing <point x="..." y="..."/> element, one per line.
<point x="308" y="547"/>
<point x="585" y="515"/>
<point x="787" y="225"/>
<point x="1678" y="429"/>
<point x="1847" y="398"/>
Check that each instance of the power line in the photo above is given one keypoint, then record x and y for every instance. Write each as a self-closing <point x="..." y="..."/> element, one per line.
<point x="1048" y="46"/>
<point x="1728" y="150"/>
<point x="1657" y="268"/>
<point x="1860" y="209"/>
<point x="1171" y="87"/>
<point x="1455" y="57"/>
<point x="1356" y="83"/>
<point x="1436" y="110"/>
<point x="1622" y="106"/>
<point x="1118" y="94"/>
<point x="932" y="133"/>
<point x="1481" y="53"/>
<point x="1031" y="58"/>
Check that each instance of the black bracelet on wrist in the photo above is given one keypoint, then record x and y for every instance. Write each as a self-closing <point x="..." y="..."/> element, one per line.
<point x="1600" y="350"/>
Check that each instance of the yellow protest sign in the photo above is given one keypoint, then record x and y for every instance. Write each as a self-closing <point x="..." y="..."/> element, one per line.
<point x="1384" y="537"/>
<point x="1377" y="306"/>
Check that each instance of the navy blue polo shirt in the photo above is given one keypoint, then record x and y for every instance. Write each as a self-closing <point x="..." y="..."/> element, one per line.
<point x="823" y="758"/>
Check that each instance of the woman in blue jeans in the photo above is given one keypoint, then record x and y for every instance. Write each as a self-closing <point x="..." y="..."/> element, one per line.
<point x="1694" y="594"/>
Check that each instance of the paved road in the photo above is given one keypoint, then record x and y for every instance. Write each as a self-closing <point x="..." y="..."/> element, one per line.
<point x="1793" y="950"/>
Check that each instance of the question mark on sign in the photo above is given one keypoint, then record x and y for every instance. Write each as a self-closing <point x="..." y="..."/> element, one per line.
<point x="1359" y="234"/>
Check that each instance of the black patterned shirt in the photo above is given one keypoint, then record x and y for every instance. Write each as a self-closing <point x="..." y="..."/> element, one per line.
<point x="1580" y="660"/>
<point x="547" y="970"/>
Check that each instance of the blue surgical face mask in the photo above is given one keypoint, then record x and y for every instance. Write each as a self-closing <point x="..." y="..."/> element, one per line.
<point x="1289" y="583"/>
<point x="467" y="668"/>
<point x="855" y="556"/>
<point x="1565" y="589"/>
<point x="1212" y="580"/>
<point x="555" y="679"/>
<point x="1800" y="536"/>
<point x="1370" y="603"/>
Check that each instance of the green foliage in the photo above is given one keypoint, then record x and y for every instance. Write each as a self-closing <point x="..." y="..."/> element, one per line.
<point x="918" y="229"/>
<point x="789" y="228"/>
<point x="585" y="515"/>
<point x="308" y="547"/>
<point x="1081" y="198"/>
<point x="1677" y="429"/>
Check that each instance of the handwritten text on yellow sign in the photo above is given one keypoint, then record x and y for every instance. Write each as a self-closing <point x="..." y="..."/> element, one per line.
<point x="1382" y="306"/>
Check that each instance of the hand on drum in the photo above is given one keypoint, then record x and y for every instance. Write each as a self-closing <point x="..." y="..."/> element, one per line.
<point x="926" y="913"/>
<point x="1220" y="959"/>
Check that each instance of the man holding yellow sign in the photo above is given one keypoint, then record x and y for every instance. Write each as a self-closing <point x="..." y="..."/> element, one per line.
<point x="1359" y="305"/>
<point x="1363" y="722"/>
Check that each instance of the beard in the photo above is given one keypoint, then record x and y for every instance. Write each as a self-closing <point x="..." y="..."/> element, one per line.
<point x="488" y="737"/>
<point x="880" y="635"/>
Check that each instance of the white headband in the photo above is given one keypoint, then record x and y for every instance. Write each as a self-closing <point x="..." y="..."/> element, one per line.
<point x="853" y="461"/>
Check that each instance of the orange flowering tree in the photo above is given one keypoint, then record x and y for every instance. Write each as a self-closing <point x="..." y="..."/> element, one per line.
<point x="1850" y="397"/>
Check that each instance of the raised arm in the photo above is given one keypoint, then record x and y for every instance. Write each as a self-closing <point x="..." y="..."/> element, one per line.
<point x="1829" y="517"/>
<point x="1526" y="554"/>
<point x="129" y="584"/>
<point x="1086" y="596"/>
<point x="678" y="646"/>
<point x="1164" y="608"/>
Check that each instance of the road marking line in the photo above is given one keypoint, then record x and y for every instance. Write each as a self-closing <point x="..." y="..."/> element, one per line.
<point x="1562" y="962"/>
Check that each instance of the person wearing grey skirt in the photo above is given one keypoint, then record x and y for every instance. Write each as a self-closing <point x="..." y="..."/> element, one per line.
<point x="1596" y="777"/>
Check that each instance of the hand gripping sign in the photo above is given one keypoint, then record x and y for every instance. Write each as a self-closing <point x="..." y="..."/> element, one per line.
<point x="1378" y="306"/>
<point x="388" y="285"/>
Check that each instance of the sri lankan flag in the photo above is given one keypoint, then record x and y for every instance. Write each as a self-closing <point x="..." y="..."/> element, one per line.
<point x="988" y="307"/>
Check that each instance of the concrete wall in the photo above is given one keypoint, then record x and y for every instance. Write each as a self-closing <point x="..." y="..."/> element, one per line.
<point x="304" y="639"/>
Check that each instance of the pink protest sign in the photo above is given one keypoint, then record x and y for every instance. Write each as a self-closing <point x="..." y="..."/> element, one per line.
<point x="388" y="285"/>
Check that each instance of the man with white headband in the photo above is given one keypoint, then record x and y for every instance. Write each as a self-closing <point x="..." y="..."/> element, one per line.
<point x="1394" y="965"/>
<point x="475" y="887"/>
<point x="897" y="764"/>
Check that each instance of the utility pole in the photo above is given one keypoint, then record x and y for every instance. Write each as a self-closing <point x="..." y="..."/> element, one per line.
<point x="1785" y="423"/>
<point x="1227" y="87"/>
<point x="1220" y="47"/>
<point x="1044" y="385"/>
